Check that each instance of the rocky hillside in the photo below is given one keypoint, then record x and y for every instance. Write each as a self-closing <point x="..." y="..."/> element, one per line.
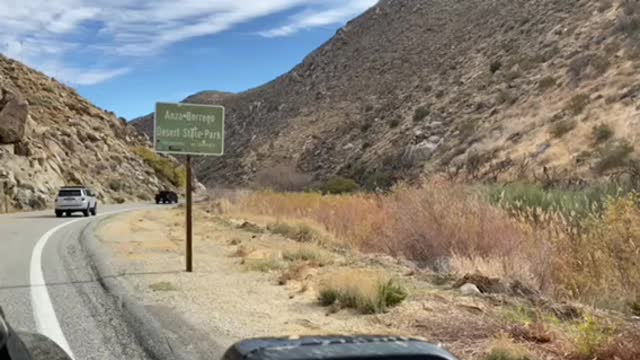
<point x="50" y="136"/>
<point x="490" y="89"/>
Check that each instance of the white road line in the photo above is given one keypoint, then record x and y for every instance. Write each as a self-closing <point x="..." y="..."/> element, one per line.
<point x="43" y="312"/>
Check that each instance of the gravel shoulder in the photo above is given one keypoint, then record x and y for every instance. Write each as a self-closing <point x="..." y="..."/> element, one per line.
<point x="221" y="297"/>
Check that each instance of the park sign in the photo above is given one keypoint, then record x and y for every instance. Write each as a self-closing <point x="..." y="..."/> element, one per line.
<point x="189" y="129"/>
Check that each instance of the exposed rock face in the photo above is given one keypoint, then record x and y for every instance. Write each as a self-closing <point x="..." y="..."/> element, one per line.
<point x="14" y="117"/>
<point x="416" y="86"/>
<point x="50" y="137"/>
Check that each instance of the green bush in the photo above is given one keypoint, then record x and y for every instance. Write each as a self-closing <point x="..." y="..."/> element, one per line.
<point x="602" y="133"/>
<point x="340" y="185"/>
<point x="562" y="127"/>
<point x="163" y="167"/>
<point x="354" y="294"/>
<point x="523" y="197"/>
<point x="591" y="337"/>
<point x="421" y="113"/>
<point x="613" y="156"/>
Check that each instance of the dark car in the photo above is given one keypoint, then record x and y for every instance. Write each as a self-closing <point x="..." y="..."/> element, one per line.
<point x="167" y="197"/>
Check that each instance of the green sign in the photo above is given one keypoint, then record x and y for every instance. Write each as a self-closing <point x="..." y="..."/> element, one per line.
<point x="187" y="129"/>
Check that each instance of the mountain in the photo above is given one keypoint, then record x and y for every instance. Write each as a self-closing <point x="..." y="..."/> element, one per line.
<point x="50" y="136"/>
<point x="491" y="89"/>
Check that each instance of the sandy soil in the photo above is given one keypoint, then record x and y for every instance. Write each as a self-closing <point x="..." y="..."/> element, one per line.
<point x="221" y="296"/>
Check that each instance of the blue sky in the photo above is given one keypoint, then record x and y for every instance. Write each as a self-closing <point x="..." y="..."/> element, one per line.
<point x="124" y="55"/>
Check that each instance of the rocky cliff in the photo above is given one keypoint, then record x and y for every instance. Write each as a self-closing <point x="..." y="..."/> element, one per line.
<point x="485" y="89"/>
<point x="50" y="136"/>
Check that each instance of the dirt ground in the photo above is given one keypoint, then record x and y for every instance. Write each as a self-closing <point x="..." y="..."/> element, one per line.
<point x="236" y="289"/>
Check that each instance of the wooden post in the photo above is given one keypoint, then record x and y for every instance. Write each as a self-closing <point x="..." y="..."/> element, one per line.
<point x="189" y="217"/>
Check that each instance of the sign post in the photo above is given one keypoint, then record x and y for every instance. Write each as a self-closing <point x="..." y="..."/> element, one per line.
<point x="187" y="129"/>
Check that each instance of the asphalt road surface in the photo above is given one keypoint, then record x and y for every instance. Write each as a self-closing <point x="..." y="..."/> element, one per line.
<point x="48" y="286"/>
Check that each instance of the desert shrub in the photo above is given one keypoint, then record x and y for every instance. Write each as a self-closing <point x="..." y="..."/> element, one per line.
<point x="601" y="133"/>
<point x="297" y="232"/>
<point x="340" y="185"/>
<point x="379" y="179"/>
<point x="579" y="66"/>
<point x="624" y="346"/>
<point x="283" y="178"/>
<point x="613" y="156"/>
<point x="504" y="348"/>
<point x="116" y="185"/>
<point x="162" y="166"/>
<point x="523" y="198"/>
<point x="604" y="5"/>
<point x="629" y="25"/>
<point x="495" y="66"/>
<point x="634" y="305"/>
<point x="505" y="97"/>
<point x="591" y="337"/>
<point x="264" y="265"/>
<point x="367" y="292"/>
<point x="629" y="20"/>
<point x="421" y="113"/>
<point x="560" y="128"/>
<point x="608" y="244"/>
<point x="310" y="254"/>
<point x="546" y="83"/>
<point x="578" y="103"/>
<point x="295" y="271"/>
<point x="393" y="123"/>
<point x="600" y="65"/>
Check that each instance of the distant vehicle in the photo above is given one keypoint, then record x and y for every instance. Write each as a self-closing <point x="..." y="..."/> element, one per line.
<point x="73" y="199"/>
<point x="167" y="197"/>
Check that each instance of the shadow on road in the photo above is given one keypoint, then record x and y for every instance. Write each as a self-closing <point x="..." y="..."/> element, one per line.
<point x="96" y="280"/>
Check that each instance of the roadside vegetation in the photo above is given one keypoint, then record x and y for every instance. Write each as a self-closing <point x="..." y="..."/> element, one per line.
<point x="543" y="238"/>
<point x="163" y="167"/>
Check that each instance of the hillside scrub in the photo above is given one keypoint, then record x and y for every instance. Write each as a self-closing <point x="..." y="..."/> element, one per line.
<point x="543" y="238"/>
<point x="163" y="167"/>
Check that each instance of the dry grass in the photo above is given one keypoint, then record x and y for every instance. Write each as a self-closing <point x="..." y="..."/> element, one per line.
<point x="590" y="256"/>
<point x="265" y="265"/>
<point x="503" y="348"/>
<point x="308" y="253"/>
<point x="295" y="271"/>
<point x="367" y="292"/>
<point x="296" y="231"/>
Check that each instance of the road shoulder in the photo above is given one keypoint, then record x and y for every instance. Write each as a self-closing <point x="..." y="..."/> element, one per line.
<point x="162" y="334"/>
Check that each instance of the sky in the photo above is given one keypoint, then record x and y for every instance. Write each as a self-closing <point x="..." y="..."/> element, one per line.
<point x="125" y="55"/>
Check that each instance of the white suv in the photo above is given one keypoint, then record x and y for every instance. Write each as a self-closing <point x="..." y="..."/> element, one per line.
<point x="72" y="199"/>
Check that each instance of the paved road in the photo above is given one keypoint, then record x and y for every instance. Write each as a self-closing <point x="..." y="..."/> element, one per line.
<point x="72" y="307"/>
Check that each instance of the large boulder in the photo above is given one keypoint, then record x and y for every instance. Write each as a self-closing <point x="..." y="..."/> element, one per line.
<point x="14" y="117"/>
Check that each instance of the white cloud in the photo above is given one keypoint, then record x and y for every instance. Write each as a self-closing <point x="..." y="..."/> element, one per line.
<point x="90" y="41"/>
<point x="311" y="18"/>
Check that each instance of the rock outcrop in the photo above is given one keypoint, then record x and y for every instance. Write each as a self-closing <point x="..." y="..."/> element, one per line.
<point x="50" y="137"/>
<point x="14" y="117"/>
